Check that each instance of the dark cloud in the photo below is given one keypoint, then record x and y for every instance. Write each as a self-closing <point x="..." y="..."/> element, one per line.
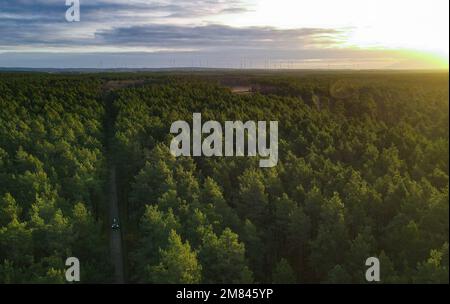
<point x="213" y="36"/>
<point x="92" y="10"/>
<point x="208" y="37"/>
<point x="42" y="22"/>
<point x="39" y="25"/>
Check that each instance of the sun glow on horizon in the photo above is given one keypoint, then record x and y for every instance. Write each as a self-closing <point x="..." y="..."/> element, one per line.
<point x="416" y="25"/>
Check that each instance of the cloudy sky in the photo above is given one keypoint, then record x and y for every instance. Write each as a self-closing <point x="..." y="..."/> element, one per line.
<point x="330" y="34"/>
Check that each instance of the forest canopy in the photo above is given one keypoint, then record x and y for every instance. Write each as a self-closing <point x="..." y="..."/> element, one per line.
<point x="363" y="172"/>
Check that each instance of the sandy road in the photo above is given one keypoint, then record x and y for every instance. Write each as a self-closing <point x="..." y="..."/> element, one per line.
<point x="116" y="235"/>
<point x="115" y="242"/>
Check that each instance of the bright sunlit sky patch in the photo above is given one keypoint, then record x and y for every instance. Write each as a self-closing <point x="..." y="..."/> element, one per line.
<point x="406" y="34"/>
<point x="410" y="24"/>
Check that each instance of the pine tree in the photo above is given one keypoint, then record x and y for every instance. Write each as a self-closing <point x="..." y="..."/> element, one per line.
<point x="223" y="259"/>
<point x="283" y="273"/>
<point x="178" y="264"/>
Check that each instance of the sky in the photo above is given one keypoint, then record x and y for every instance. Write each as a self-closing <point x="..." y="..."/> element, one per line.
<point x="270" y="34"/>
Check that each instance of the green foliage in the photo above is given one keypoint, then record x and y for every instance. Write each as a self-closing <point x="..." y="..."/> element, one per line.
<point x="363" y="171"/>
<point x="435" y="269"/>
<point x="51" y="159"/>
<point x="283" y="273"/>
<point x="223" y="259"/>
<point x="178" y="264"/>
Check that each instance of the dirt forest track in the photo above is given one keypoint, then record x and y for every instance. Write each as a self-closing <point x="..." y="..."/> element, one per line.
<point x="116" y="249"/>
<point x="115" y="236"/>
